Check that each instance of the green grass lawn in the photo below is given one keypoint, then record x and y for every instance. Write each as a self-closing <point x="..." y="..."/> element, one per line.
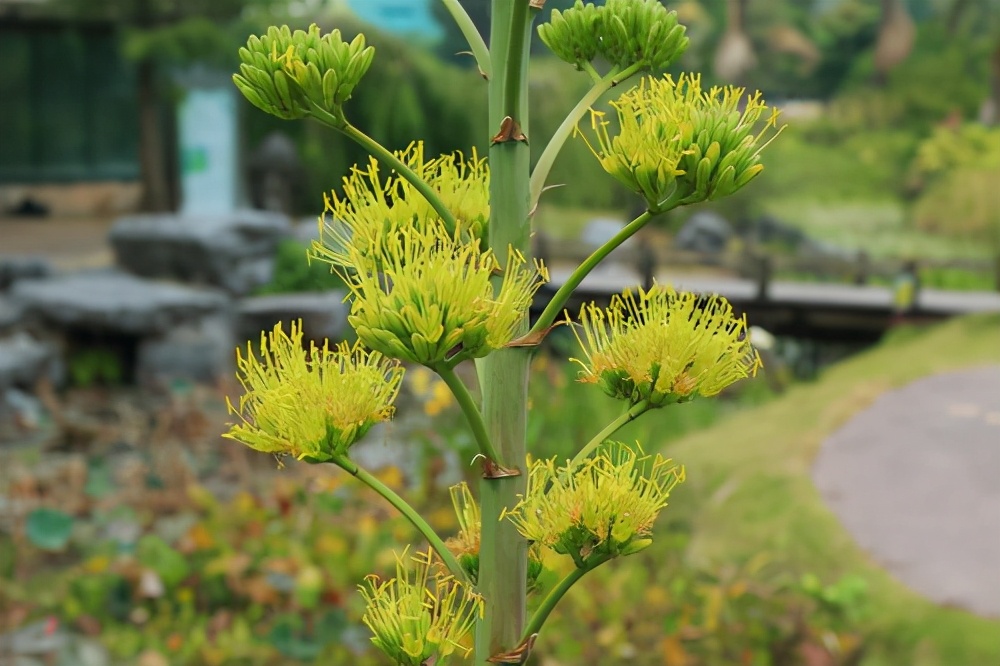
<point x="878" y="227"/>
<point x="749" y="498"/>
<point x="749" y="491"/>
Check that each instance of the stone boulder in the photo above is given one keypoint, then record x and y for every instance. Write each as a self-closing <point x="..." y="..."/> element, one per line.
<point x="10" y="314"/>
<point x="114" y="301"/>
<point x="200" y="350"/>
<point x="705" y="232"/>
<point x="234" y="251"/>
<point x="13" y="269"/>
<point x="24" y="360"/>
<point x="323" y="314"/>
<point x="158" y="331"/>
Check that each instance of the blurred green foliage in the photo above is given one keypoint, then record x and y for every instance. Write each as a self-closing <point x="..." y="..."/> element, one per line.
<point x="293" y="273"/>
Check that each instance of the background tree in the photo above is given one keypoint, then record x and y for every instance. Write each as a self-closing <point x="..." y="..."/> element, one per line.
<point x="158" y="33"/>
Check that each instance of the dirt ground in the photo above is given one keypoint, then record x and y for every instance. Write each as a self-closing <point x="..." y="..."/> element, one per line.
<point x="68" y="243"/>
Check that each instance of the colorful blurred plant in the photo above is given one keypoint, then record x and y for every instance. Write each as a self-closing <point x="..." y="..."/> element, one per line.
<point x="436" y="256"/>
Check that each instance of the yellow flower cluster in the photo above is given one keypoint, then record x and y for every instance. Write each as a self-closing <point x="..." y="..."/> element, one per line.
<point x="313" y="403"/>
<point x="372" y="209"/>
<point x="434" y="299"/>
<point x="677" y="144"/>
<point x="604" y="508"/>
<point x="414" y="623"/>
<point x="664" y="346"/>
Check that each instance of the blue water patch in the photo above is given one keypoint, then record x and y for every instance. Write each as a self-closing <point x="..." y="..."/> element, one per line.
<point x="411" y="17"/>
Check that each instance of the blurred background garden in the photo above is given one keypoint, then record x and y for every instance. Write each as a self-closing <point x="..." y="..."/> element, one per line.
<point x="151" y="220"/>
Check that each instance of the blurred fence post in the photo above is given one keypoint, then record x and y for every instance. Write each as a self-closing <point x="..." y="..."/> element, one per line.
<point x="862" y="269"/>
<point x="763" y="274"/>
<point x="646" y="263"/>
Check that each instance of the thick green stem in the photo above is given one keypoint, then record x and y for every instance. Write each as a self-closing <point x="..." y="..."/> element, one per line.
<point x="471" y="33"/>
<point x="634" y="412"/>
<point x="516" y="53"/>
<point x="386" y="156"/>
<point x="471" y="411"/>
<point x="404" y="508"/>
<point x="558" y="301"/>
<point x="552" y="599"/>
<point x="503" y="375"/>
<point x="548" y="157"/>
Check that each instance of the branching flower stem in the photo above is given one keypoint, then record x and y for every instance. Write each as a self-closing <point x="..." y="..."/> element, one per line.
<point x="409" y="512"/>
<point x="558" y="301"/>
<point x="548" y="157"/>
<point x="386" y="156"/>
<point x="471" y="33"/>
<point x="471" y="411"/>
<point x="633" y="413"/>
<point x="552" y="599"/>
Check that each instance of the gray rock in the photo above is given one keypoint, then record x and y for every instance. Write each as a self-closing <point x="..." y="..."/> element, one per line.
<point x="26" y="410"/>
<point x="13" y="269"/>
<point x="307" y="230"/>
<point x="113" y="301"/>
<point x="202" y="350"/>
<point x="10" y="314"/>
<point x="23" y="360"/>
<point x="705" y="232"/>
<point x="767" y="229"/>
<point x="323" y="314"/>
<point x="205" y="249"/>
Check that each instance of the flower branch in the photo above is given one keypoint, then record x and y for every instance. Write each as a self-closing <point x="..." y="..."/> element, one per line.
<point x="471" y="33"/>
<point x="408" y="511"/>
<point x="471" y="411"/>
<point x="553" y="598"/>
<point x="543" y="166"/>
<point x="558" y="301"/>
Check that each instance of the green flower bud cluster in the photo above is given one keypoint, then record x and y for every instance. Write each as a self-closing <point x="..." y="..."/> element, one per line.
<point x="604" y="508"/>
<point x="297" y="74"/>
<point x="625" y="32"/>
<point x="723" y="143"/>
<point x="679" y="145"/>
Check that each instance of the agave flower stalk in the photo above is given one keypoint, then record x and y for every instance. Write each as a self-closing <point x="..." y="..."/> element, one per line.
<point x="372" y="210"/>
<point x="436" y="254"/>
<point x="315" y="403"/>
<point x="503" y="375"/>
<point x="286" y="408"/>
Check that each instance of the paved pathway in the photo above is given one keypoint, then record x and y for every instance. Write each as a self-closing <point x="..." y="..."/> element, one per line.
<point x="916" y="480"/>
